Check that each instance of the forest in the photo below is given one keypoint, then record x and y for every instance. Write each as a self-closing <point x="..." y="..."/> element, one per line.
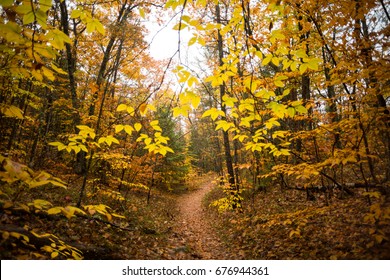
<point x="274" y="143"/>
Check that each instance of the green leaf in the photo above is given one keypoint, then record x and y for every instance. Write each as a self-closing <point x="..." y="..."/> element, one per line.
<point x="41" y="18"/>
<point x="6" y="3"/>
<point x="28" y="18"/>
<point x="23" y="9"/>
<point x="180" y="26"/>
<point x="45" y="5"/>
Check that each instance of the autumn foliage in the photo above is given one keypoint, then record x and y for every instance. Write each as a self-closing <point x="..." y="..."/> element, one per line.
<point x="289" y="106"/>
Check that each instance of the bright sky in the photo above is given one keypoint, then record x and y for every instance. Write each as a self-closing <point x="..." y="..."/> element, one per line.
<point x="164" y="41"/>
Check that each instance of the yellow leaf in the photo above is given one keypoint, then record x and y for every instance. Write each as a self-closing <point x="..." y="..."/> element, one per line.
<point x="48" y="73"/>
<point x="130" y="110"/>
<point x="267" y="59"/>
<point x="301" y="109"/>
<point x="296" y="232"/>
<point x="291" y="112"/>
<point x="275" y="61"/>
<point x="151" y="107"/>
<point x="55" y="210"/>
<point x="372" y="194"/>
<point x="12" y="112"/>
<point x="313" y="63"/>
<point x="75" y="14"/>
<point x="181" y="110"/>
<point x="118" y="216"/>
<point x="5" y="235"/>
<point x="128" y="129"/>
<point x="155" y="122"/>
<point x="294" y="66"/>
<point x="137" y="126"/>
<point x="118" y="128"/>
<point x="148" y="141"/>
<point x="57" y="69"/>
<point x="195" y="100"/>
<point x="8" y="204"/>
<point x="192" y="41"/>
<point x="180" y="26"/>
<point x="301" y="53"/>
<point x="213" y="113"/>
<point x="121" y="107"/>
<point x="303" y="68"/>
<point x="224" y="125"/>
<point x="229" y="101"/>
<point x="142" y="13"/>
<point x="279" y="83"/>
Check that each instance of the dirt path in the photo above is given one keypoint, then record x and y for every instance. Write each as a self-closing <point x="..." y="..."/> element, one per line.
<point x="197" y="238"/>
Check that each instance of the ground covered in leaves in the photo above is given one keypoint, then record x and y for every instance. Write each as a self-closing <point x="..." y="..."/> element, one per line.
<point x="180" y="224"/>
<point x="284" y="224"/>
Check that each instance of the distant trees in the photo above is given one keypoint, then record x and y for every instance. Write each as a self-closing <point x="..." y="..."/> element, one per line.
<point x="298" y="89"/>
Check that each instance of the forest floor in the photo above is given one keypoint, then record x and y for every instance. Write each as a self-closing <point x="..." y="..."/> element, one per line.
<point x="272" y="224"/>
<point x="197" y="238"/>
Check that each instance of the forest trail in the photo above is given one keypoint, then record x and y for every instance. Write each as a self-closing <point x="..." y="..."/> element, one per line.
<point x="193" y="230"/>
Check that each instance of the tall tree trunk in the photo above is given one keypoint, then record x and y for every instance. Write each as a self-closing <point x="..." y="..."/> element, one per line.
<point x="222" y="90"/>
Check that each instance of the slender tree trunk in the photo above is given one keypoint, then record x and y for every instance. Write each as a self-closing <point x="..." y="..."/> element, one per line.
<point x="70" y="59"/>
<point x="222" y="90"/>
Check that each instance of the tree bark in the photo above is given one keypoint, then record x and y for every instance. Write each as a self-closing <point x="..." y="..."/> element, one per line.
<point x="222" y="90"/>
